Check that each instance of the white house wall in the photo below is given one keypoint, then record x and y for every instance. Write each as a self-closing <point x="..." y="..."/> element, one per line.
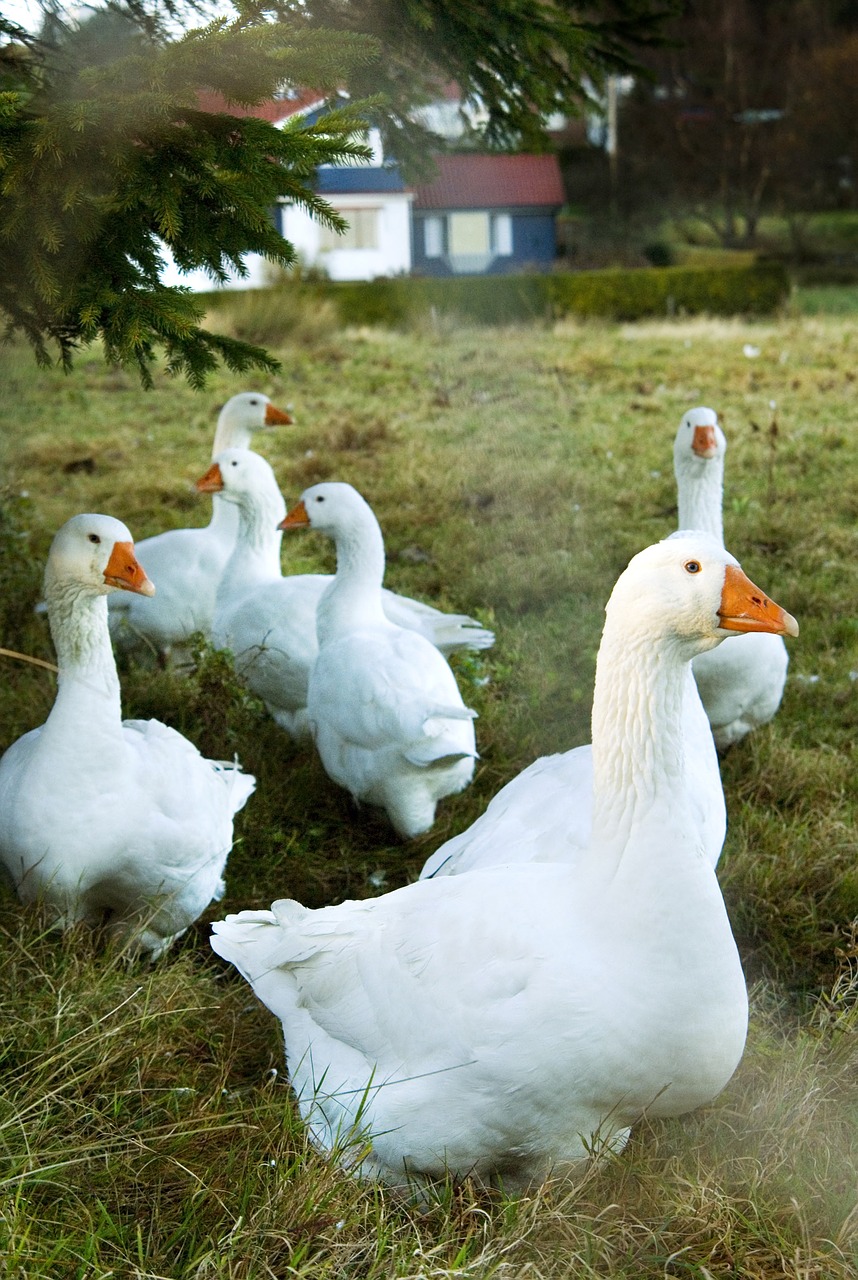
<point x="392" y="255"/>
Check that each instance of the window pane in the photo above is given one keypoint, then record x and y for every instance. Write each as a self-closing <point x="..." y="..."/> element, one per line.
<point x="502" y="233"/>
<point x="361" y="233"/>
<point x="433" y="237"/>
<point x="469" y="233"/>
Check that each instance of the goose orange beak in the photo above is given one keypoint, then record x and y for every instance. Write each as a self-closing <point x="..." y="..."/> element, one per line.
<point x="745" y="607"/>
<point x="704" y="444"/>
<point x="212" y="481"/>
<point x="275" y="417"/>
<point x="125" y="571"/>
<point x="297" y="518"/>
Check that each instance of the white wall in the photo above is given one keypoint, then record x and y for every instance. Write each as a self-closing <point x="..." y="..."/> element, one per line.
<point x="259" y="273"/>
<point x="392" y="256"/>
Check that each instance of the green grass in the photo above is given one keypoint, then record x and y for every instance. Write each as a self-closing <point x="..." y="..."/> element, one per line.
<point x="146" y="1128"/>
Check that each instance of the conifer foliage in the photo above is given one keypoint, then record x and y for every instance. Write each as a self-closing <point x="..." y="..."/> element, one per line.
<point x="102" y="158"/>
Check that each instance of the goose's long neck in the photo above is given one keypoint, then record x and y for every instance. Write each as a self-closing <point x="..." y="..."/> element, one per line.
<point x="700" y="489"/>
<point x="257" y="549"/>
<point x="354" y="597"/>
<point x="224" y="521"/>
<point x="637" y="721"/>
<point x="88" y="686"/>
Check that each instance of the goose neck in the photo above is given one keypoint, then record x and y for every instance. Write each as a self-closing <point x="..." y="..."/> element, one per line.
<point x="354" y="597"/>
<point x="637" y="723"/>
<point x="87" y="669"/>
<point x="224" y="520"/>
<point x="700" y="490"/>
<point x="258" y="546"/>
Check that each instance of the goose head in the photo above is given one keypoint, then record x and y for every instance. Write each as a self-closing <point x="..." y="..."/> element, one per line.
<point x="244" y="414"/>
<point x="95" y="554"/>
<point x="699" y="440"/>
<point x="240" y="476"/>
<point x="689" y="591"/>
<point x="332" y="507"/>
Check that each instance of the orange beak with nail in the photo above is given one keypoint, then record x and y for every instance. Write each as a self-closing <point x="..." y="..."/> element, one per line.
<point x="745" y="607"/>
<point x="275" y="417"/>
<point x="212" y="481"/>
<point x="297" y="518"/>
<point x="705" y="443"/>
<point x="125" y="571"/>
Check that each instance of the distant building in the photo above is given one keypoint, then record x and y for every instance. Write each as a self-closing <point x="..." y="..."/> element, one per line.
<point x="481" y="214"/>
<point x="487" y="214"/>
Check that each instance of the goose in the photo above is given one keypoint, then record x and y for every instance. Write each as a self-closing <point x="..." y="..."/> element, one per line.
<point x="509" y="1023"/>
<point x="268" y="621"/>
<point x="187" y="563"/>
<point x="265" y="620"/>
<point x="741" y="684"/>
<point x="101" y="817"/>
<point x="384" y="708"/>
<point x="554" y="795"/>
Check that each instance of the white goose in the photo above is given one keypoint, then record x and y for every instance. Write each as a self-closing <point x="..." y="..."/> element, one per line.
<point x="741" y="684"/>
<point x="268" y="621"/>
<point x="384" y="708"/>
<point x="187" y="563"/>
<point x="505" y="1023"/>
<point x="546" y="811"/>
<point x="101" y="817"/>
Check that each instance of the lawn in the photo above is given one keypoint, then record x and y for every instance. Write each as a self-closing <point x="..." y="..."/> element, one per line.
<point x="146" y="1127"/>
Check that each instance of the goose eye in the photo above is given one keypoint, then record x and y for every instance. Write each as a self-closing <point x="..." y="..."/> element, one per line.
<point x="233" y="463"/>
<point x="320" y="497"/>
<point x="692" y="566"/>
<point x="93" y="537"/>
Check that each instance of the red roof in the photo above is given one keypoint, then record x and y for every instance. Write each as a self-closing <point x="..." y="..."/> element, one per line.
<point x="272" y="110"/>
<point x="470" y="181"/>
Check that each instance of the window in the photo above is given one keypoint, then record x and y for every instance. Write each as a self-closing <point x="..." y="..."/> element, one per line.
<point x="434" y="237"/>
<point x="468" y="233"/>
<point x="361" y="233"/>
<point x="502" y="234"/>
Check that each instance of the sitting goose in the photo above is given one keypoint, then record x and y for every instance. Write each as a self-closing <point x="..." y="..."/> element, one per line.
<point x="384" y="708"/>
<point x="187" y="563"/>
<point x="506" y="1023"/>
<point x="101" y="817"/>
<point x="268" y="621"/>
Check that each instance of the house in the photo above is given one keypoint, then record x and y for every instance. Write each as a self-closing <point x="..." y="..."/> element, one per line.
<point x="371" y="195"/>
<point x="376" y="203"/>
<point x="487" y="214"/>
<point x="480" y="214"/>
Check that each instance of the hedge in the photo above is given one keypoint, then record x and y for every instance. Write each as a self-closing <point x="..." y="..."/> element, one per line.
<point x="614" y="294"/>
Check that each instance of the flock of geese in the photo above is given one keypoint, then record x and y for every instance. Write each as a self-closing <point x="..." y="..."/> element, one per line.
<point x="560" y="968"/>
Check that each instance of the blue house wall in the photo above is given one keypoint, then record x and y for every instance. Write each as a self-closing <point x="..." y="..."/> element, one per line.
<point x="533" y="243"/>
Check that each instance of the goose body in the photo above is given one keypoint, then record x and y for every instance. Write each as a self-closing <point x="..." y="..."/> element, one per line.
<point x="741" y="683"/>
<point x="383" y="705"/>
<point x="268" y="621"/>
<point x="187" y="563"/>
<point x="101" y="817"/>
<point x="506" y="1023"/>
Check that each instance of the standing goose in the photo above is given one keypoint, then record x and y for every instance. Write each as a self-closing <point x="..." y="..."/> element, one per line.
<point x="268" y="621"/>
<point x="384" y="708"/>
<point x="187" y="563"/>
<point x="101" y="817"/>
<point x="506" y="1023"/>
<point x="741" y="684"/>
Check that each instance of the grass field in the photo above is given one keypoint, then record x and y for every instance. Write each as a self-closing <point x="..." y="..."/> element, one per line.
<point x="146" y="1128"/>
